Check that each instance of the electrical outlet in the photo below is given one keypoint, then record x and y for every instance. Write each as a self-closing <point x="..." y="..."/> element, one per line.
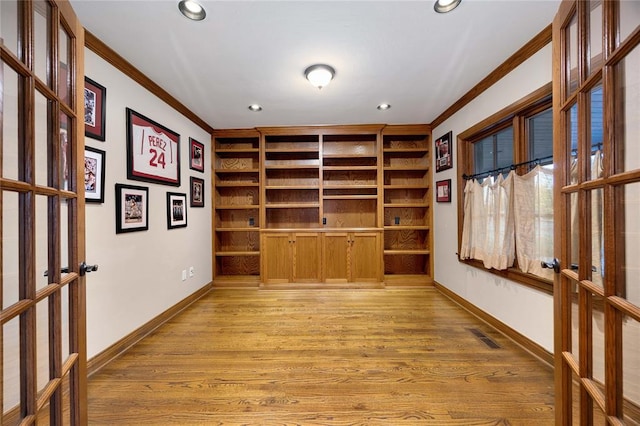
<point x="184" y="275"/>
<point x="191" y="272"/>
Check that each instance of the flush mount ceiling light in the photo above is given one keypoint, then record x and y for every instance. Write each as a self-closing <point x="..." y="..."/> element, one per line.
<point x="444" y="6"/>
<point x="319" y="75"/>
<point x="255" y="107"/>
<point x="192" y="10"/>
<point x="383" y="106"/>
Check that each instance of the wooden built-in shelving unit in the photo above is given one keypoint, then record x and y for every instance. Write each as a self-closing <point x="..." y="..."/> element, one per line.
<point x="407" y="203"/>
<point x="236" y="189"/>
<point x="327" y="206"/>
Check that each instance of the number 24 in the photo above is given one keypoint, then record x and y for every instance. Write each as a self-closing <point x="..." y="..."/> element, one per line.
<point x="156" y="159"/>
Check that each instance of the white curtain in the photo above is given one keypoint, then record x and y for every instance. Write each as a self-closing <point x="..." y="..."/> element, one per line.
<point x="467" y="231"/>
<point x="533" y="208"/>
<point x="488" y="226"/>
<point x="596" y="222"/>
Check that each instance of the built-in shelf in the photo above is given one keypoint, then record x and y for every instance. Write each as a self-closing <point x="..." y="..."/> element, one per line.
<point x="292" y="205"/>
<point x="350" y="197"/>
<point x="350" y="156"/>
<point x="291" y="166"/>
<point x="291" y="150"/>
<point x="237" y="253"/>
<point x="289" y="187"/>
<point x="236" y="171"/>
<point x="406" y="205"/>
<point x="403" y="252"/>
<point x="236" y="207"/>
<point x="406" y="186"/>
<point x="332" y="187"/>
<point x="239" y="229"/>
<point x="320" y="199"/>
<point x="232" y="184"/>
<point x="406" y="150"/>
<point x="406" y="168"/>
<point x="407" y="228"/>
<point x="406" y="201"/>
<point x="236" y="150"/>
<point x="350" y="168"/>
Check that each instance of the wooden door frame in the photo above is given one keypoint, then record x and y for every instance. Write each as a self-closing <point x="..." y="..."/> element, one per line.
<point x="570" y="285"/>
<point x="65" y="377"/>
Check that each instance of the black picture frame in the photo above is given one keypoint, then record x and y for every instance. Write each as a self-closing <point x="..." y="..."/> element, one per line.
<point x="132" y="208"/>
<point x="197" y="192"/>
<point x="153" y="151"/>
<point x="95" y="116"/>
<point x="94" y="174"/>
<point x="176" y="210"/>
<point x="444" y="152"/>
<point x="196" y="155"/>
<point x="443" y="191"/>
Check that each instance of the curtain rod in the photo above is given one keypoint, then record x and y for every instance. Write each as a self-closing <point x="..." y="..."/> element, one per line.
<point x="499" y="170"/>
<point x="594" y="148"/>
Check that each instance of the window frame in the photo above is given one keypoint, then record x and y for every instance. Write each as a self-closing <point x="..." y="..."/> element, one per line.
<point x="515" y="115"/>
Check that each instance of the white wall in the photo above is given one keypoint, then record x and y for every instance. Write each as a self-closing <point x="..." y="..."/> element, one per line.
<point x="524" y="309"/>
<point x="140" y="272"/>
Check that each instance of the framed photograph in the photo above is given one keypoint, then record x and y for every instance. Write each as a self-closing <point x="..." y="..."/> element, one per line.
<point x="197" y="192"/>
<point x="196" y="155"/>
<point x="153" y="151"/>
<point x="176" y="210"/>
<point x="95" y="96"/>
<point x="132" y="208"/>
<point x="94" y="163"/>
<point x="443" y="191"/>
<point x="444" y="153"/>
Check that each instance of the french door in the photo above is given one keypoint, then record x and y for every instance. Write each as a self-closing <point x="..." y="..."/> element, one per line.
<point x="596" y="91"/>
<point x="42" y="288"/>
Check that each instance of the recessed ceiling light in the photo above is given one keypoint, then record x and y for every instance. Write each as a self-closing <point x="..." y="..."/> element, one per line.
<point x="192" y="10"/>
<point x="255" y="107"/>
<point x="444" y="6"/>
<point x="383" y="106"/>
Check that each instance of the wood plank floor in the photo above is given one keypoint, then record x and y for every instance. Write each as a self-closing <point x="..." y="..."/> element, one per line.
<point x="323" y="357"/>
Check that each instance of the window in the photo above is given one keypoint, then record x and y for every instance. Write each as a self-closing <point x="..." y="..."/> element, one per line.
<point x="494" y="151"/>
<point x="510" y="214"/>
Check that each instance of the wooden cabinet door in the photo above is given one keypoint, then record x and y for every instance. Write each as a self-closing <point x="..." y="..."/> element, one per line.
<point x="364" y="257"/>
<point x="277" y="257"/>
<point x="335" y="257"/>
<point x="306" y="257"/>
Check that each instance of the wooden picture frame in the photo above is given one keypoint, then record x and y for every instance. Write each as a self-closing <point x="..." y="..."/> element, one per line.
<point x="132" y="208"/>
<point x="94" y="174"/>
<point x="197" y="192"/>
<point x="153" y="151"/>
<point x="443" y="191"/>
<point x="196" y="155"/>
<point x="176" y="210"/>
<point x="95" y="98"/>
<point x="444" y="152"/>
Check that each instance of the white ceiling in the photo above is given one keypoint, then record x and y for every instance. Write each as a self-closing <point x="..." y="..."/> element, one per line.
<point x="245" y="52"/>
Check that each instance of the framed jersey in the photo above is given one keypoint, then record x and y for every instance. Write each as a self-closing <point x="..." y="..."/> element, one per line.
<point x="153" y="151"/>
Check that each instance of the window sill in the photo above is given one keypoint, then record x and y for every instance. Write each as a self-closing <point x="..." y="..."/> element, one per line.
<point x="515" y="275"/>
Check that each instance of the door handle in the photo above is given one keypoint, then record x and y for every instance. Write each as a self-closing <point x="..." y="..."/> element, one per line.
<point x="555" y="265"/>
<point x="84" y="268"/>
<point x="64" y="270"/>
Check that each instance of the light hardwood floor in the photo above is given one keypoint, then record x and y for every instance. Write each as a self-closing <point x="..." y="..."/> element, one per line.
<point x="323" y="357"/>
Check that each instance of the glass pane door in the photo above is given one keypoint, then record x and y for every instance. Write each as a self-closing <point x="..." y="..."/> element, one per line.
<point x="42" y="313"/>
<point x="597" y="197"/>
